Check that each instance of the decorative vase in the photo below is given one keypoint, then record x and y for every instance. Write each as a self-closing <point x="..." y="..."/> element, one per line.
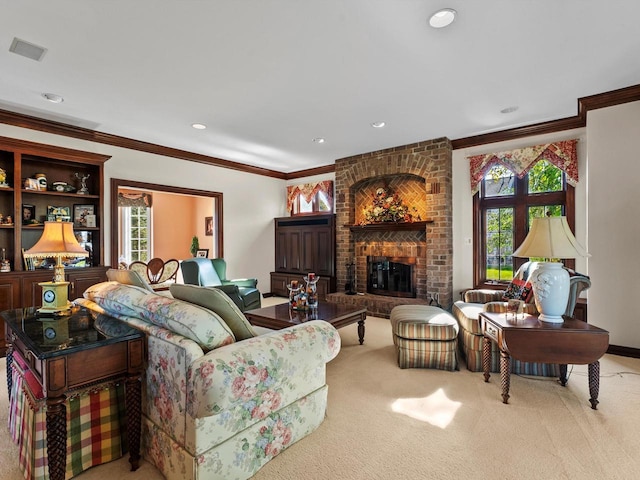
<point x="311" y="289"/>
<point x="551" y="291"/>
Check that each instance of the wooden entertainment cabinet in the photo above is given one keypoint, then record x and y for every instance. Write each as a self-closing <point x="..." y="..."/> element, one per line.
<point x="304" y="244"/>
<point x="23" y="160"/>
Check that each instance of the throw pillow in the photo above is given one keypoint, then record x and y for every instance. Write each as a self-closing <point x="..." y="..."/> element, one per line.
<point x="202" y="326"/>
<point x="518" y="290"/>
<point x="216" y="300"/>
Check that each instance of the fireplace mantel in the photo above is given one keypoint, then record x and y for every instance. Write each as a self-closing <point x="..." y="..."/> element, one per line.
<point x="389" y="226"/>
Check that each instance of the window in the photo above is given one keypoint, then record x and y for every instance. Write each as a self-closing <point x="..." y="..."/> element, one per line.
<point x="310" y="198"/>
<point x="135" y="229"/>
<point x="504" y="209"/>
<point x="319" y="203"/>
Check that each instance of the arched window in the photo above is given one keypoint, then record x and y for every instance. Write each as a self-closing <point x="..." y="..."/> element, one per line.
<point x="509" y="195"/>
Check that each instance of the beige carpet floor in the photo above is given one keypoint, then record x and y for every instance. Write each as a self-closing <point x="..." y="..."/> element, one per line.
<point x="387" y="423"/>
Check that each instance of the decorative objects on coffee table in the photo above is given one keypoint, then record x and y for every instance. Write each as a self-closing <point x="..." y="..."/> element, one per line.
<point x="303" y="297"/>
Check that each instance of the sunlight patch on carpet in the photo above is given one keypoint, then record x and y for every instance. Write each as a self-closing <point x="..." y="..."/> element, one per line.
<point x="436" y="409"/>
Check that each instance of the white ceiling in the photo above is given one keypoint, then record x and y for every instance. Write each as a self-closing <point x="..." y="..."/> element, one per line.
<point x="268" y="76"/>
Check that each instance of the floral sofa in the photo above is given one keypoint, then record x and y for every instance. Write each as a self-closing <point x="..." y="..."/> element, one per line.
<point x="219" y="401"/>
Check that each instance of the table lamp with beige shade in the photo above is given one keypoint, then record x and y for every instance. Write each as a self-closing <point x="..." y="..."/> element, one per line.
<point x="57" y="241"/>
<point x="550" y="238"/>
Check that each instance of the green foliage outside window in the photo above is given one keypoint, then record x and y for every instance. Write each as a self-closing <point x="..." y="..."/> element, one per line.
<point x="500" y="222"/>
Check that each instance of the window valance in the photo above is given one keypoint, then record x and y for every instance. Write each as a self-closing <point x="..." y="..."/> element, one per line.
<point x="134" y="199"/>
<point x="561" y="154"/>
<point x="308" y="191"/>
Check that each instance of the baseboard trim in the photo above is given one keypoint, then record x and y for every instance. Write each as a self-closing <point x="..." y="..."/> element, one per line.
<point x="624" y="351"/>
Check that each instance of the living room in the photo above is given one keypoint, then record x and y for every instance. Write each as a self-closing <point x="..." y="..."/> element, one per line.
<point x="606" y="131"/>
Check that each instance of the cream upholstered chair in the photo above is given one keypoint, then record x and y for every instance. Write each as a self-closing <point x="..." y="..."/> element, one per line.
<point x="478" y="300"/>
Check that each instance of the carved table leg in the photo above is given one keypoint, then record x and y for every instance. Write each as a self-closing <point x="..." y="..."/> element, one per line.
<point x="486" y="358"/>
<point x="57" y="437"/>
<point x="133" y="406"/>
<point x="594" y="383"/>
<point x="9" y="373"/>
<point x="505" y="375"/>
<point x="361" y="331"/>
<point x="563" y="374"/>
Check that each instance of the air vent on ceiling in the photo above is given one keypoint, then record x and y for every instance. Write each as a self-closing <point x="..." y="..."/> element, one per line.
<point x="27" y="49"/>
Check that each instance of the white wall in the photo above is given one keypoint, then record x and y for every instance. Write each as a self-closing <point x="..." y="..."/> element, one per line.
<point x="250" y="201"/>
<point x="463" y="201"/>
<point x="614" y="226"/>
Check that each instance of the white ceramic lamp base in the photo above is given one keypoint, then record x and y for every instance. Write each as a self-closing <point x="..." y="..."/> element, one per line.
<point x="551" y="291"/>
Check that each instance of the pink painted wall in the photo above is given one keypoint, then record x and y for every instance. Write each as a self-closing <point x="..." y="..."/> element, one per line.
<point x="174" y="223"/>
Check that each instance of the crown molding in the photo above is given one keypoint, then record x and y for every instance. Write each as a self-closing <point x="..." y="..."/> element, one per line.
<point x="585" y="104"/>
<point x="58" y="128"/>
<point x="593" y="102"/>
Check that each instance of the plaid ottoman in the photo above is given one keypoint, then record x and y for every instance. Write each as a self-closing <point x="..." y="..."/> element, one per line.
<point x="425" y="337"/>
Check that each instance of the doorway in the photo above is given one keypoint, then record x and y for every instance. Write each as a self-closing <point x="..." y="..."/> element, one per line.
<point x="180" y="208"/>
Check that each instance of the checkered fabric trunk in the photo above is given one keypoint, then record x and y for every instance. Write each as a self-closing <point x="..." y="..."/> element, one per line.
<point x="95" y="419"/>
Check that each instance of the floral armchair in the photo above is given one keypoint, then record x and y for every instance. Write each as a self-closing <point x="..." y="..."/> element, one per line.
<point x="214" y="407"/>
<point x="478" y="300"/>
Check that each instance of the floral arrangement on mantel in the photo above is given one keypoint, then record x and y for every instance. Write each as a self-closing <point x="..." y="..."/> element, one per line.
<point x="387" y="207"/>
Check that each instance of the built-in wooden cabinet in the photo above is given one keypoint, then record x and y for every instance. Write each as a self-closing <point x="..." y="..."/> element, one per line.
<point x="20" y="161"/>
<point x="304" y="244"/>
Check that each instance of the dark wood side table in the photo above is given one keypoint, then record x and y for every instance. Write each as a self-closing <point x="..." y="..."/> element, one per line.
<point x="529" y="340"/>
<point x="72" y="352"/>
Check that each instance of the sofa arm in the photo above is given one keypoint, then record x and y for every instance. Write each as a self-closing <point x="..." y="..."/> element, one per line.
<point x="483" y="295"/>
<point x="242" y="282"/>
<point x="255" y="377"/>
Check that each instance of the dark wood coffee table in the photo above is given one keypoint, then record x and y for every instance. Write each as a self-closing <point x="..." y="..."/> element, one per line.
<point x="282" y="316"/>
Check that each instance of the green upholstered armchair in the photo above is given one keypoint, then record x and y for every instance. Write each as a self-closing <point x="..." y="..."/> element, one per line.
<point x="213" y="273"/>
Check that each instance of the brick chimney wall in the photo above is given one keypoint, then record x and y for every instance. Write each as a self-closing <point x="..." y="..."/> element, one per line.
<point x="428" y="162"/>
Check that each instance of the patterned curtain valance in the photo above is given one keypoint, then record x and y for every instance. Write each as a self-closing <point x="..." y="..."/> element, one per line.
<point x="308" y="191"/>
<point x="134" y="199"/>
<point x="561" y="154"/>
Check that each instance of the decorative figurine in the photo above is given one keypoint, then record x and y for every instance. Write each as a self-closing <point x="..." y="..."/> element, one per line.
<point x="83" y="183"/>
<point x="5" y="266"/>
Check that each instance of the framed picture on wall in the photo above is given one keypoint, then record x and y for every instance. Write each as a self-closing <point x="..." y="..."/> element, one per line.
<point x="202" y="253"/>
<point x="208" y="226"/>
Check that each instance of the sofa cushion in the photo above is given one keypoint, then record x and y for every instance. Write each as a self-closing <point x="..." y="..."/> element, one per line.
<point x="128" y="277"/>
<point x="518" y="290"/>
<point x="219" y="302"/>
<point x="192" y="321"/>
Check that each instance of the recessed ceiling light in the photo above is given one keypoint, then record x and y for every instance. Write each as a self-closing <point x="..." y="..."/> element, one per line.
<point x="442" y="18"/>
<point x="198" y="126"/>
<point x="52" y="97"/>
<point x="378" y="124"/>
<point x="318" y="140"/>
<point x="509" y="109"/>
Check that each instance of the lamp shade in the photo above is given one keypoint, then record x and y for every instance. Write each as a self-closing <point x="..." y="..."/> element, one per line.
<point x="57" y="240"/>
<point x="550" y="237"/>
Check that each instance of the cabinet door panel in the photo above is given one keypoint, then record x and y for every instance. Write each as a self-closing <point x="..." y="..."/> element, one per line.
<point x="324" y="252"/>
<point x="82" y="279"/>
<point x="281" y="251"/>
<point x="293" y="254"/>
<point x="9" y="299"/>
<point x="309" y="251"/>
<point x="31" y="291"/>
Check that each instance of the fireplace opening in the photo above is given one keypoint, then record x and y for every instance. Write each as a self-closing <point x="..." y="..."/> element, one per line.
<point x="391" y="276"/>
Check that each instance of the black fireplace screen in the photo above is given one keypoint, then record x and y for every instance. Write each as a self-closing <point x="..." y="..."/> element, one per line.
<point x="391" y="276"/>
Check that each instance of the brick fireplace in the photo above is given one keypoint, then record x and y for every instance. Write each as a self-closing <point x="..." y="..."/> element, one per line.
<point x="419" y="174"/>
